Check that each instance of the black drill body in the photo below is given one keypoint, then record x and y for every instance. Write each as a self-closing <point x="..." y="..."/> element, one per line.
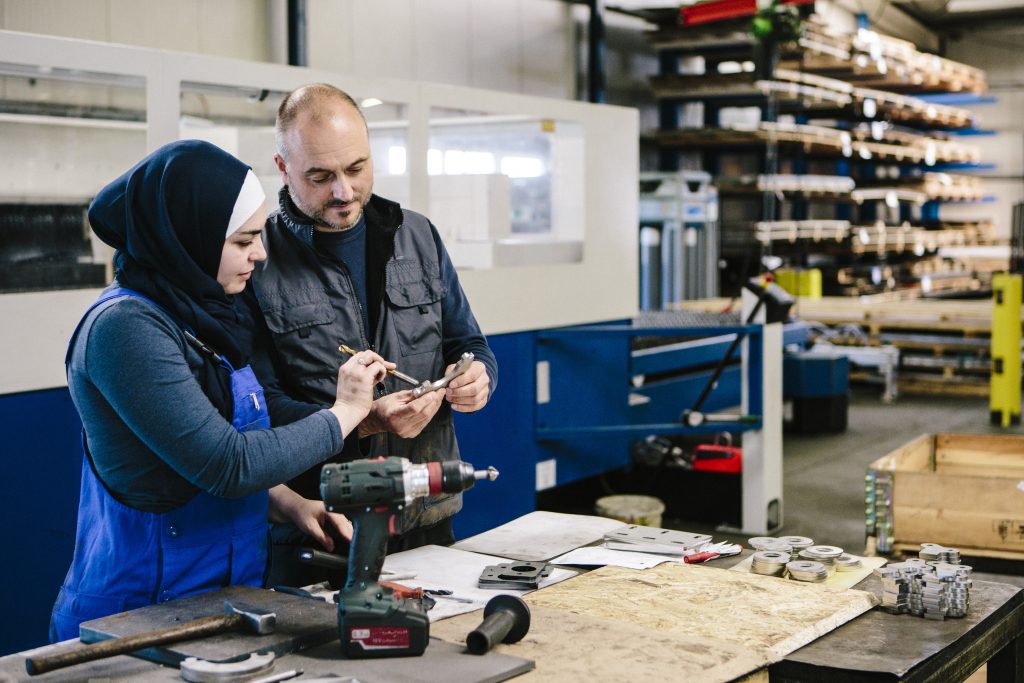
<point x="372" y="621"/>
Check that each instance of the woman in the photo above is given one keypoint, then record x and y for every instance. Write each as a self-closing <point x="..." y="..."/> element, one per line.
<point x="179" y="456"/>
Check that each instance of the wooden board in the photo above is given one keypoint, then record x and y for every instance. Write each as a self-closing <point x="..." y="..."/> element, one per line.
<point x="569" y="646"/>
<point x="672" y="622"/>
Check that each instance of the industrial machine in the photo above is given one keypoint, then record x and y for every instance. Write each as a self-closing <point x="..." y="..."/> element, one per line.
<point x="678" y="238"/>
<point x="372" y="620"/>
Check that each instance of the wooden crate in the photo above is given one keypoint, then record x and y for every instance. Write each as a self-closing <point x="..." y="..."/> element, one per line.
<point x="959" y="490"/>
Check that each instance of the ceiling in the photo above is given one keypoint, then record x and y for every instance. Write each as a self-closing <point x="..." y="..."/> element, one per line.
<point x="947" y="15"/>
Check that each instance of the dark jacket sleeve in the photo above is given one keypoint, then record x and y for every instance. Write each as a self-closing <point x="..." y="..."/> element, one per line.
<point x="459" y="329"/>
<point x="147" y="382"/>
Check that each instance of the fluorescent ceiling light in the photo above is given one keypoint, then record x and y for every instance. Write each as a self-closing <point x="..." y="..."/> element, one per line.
<point x="961" y="6"/>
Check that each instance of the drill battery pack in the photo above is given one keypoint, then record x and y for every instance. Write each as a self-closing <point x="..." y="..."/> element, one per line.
<point x="403" y="633"/>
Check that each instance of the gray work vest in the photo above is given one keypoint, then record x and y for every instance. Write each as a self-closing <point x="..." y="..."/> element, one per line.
<point x="310" y="307"/>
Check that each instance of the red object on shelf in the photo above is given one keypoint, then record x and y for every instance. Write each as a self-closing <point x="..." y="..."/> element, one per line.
<point x="718" y="458"/>
<point x="719" y="10"/>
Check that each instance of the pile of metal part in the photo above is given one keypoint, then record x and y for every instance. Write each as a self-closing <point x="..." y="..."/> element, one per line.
<point x="934" y="585"/>
<point x="797" y="543"/>
<point x="798" y="558"/>
<point x="825" y="554"/>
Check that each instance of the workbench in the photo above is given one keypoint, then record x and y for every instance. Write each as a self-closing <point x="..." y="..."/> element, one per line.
<point x="873" y="647"/>
<point x="882" y="647"/>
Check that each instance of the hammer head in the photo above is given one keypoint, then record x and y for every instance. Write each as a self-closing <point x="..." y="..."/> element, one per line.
<point x="254" y="619"/>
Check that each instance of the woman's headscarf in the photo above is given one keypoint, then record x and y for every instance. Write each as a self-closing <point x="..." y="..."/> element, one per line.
<point x="168" y="217"/>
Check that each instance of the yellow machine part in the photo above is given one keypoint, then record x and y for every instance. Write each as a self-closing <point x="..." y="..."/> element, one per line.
<point x="802" y="282"/>
<point x="1004" y="383"/>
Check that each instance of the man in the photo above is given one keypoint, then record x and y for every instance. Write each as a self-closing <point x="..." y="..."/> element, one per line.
<point x="348" y="267"/>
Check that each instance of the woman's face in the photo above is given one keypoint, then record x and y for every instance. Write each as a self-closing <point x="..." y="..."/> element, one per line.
<point x="241" y="252"/>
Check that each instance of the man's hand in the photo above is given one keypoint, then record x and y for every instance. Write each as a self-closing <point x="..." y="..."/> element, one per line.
<point x="401" y="414"/>
<point x="310" y="516"/>
<point x="469" y="391"/>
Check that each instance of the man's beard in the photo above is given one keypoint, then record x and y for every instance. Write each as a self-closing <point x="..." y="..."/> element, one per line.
<point x="319" y="215"/>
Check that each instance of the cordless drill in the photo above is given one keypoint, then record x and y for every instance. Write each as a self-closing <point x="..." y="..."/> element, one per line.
<point x="372" y="621"/>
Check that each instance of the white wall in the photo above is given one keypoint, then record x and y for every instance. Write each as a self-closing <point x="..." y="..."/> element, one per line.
<point x="521" y="46"/>
<point x="998" y="52"/>
<point x="224" y="28"/>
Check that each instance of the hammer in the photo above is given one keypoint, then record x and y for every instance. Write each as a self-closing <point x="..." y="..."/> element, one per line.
<point x="237" y="615"/>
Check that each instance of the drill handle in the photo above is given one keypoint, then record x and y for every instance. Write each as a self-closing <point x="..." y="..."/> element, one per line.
<point x="371" y="530"/>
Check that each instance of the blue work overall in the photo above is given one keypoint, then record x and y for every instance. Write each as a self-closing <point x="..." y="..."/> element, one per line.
<point x="127" y="558"/>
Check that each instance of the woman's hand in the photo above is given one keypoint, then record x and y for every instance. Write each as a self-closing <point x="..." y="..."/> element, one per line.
<point x="354" y="394"/>
<point x="310" y="516"/>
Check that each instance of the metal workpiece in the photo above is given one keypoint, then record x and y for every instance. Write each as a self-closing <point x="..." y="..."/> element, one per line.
<point x="425" y="386"/>
<point x="459" y="368"/>
<point x="198" y="670"/>
<point x="515" y="575"/>
<point x="929" y="588"/>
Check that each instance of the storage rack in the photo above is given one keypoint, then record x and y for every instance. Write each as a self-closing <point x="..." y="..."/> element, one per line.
<point x="836" y="108"/>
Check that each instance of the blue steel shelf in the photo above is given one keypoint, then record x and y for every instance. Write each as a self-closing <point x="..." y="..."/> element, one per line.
<point x="955" y="99"/>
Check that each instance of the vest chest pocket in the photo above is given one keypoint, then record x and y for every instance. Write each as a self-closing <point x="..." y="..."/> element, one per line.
<point x="301" y="323"/>
<point x="414" y="307"/>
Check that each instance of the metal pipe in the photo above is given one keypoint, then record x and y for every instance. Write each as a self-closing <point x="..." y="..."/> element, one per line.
<point x="595" y="53"/>
<point x="297" y="33"/>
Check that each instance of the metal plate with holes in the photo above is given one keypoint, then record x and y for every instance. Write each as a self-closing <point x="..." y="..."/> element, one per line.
<point x="522" y="575"/>
<point x="647" y="535"/>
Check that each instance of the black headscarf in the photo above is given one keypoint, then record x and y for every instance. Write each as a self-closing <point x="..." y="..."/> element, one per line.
<point x="167" y="217"/>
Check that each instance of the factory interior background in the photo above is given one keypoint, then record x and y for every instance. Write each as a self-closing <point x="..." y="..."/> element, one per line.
<point x="591" y="166"/>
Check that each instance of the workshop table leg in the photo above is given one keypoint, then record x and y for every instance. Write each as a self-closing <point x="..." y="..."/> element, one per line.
<point x="1007" y="665"/>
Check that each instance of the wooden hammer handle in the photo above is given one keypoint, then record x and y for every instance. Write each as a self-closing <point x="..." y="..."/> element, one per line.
<point x="206" y="626"/>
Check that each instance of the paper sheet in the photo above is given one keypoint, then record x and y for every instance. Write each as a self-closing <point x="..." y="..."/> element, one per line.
<point x="438" y="567"/>
<point x="599" y="556"/>
<point x="540" y="536"/>
<point x="839" y="579"/>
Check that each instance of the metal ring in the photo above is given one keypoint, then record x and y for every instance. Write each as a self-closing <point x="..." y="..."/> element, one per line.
<point x="361" y="360"/>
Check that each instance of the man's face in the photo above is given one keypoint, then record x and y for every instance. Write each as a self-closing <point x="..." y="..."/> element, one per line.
<point x="329" y="172"/>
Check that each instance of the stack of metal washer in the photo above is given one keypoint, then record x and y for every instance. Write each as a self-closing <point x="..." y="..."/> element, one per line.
<point x="825" y="554"/>
<point x="927" y="587"/>
<point x="807" y="570"/>
<point x="847" y="563"/>
<point x="797" y="543"/>
<point x="769" y="562"/>
<point x="770" y="543"/>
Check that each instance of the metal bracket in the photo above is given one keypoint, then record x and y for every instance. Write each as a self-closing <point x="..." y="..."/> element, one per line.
<point x="520" y="575"/>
